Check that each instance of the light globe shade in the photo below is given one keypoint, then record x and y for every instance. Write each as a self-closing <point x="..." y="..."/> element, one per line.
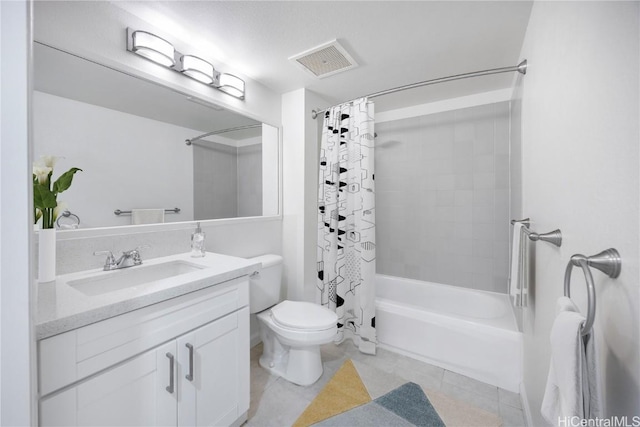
<point x="197" y="69"/>
<point x="232" y="85"/>
<point x="154" y="48"/>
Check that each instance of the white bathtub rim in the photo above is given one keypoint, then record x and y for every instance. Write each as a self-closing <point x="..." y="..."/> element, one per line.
<point x="416" y="312"/>
<point x="452" y="287"/>
<point x="508" y="317"/>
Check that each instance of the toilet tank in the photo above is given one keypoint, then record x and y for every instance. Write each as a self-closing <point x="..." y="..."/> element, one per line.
<point x="264" y="288"/>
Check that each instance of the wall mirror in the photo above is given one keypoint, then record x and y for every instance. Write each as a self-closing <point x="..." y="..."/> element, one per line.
<point x="128" y="136"/>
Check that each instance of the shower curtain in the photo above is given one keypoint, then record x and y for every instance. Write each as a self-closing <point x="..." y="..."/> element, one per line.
<point x="346" y="222"/>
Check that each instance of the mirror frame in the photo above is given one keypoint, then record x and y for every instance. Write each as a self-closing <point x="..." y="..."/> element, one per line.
<point x="167" y="226"/>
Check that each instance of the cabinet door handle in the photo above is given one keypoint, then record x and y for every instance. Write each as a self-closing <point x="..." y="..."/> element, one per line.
<point x="189" y="376"/>
<point x="169" y="388"/>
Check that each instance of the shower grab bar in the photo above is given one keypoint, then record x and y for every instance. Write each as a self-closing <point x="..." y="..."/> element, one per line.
<point x="554" y="237"/>
<point x="607" y="261"/>
<point x="119" y="212"/>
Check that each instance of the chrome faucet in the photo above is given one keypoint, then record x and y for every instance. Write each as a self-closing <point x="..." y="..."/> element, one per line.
<point x="127" y="259"/>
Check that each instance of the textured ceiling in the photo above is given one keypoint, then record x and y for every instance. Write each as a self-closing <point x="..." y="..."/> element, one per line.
<point x="395" y="42"/>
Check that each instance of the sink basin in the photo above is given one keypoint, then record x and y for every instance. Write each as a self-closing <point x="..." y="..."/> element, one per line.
<point x="109" y="281"/>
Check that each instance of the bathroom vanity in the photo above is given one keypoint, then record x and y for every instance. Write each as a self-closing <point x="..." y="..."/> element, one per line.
<point x="166" y="344"/>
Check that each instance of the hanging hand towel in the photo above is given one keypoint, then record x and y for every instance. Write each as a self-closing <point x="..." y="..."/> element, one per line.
<point x="565" y="304"/>
<point x="573" y="386"/>
<point x="517" y="273"/>
<point x="147" y="216"/>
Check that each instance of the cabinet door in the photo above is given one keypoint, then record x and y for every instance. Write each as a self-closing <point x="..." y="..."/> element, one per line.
<point x="213" y="372"/>
<point x="134" y="393"/>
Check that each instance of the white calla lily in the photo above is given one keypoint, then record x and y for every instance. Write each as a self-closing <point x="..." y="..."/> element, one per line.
<point x="49" y="161"/>
<point x="41" y="172"/>
<point x="45" y="190"/>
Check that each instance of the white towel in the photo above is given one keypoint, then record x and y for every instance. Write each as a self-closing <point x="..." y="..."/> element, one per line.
<point x="517" y="276"/>
<point x="565" y="304"/>
<point x="147" y="216"/>
<point x="573" y="386"/>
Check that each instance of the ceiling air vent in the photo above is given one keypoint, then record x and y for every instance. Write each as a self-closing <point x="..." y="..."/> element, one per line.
<point x="325" y="60"/>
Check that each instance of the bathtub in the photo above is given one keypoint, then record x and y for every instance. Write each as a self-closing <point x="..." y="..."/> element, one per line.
<point x="473" y="333"/>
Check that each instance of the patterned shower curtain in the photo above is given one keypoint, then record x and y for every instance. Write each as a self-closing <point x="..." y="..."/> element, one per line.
<point x="346" y="222"/>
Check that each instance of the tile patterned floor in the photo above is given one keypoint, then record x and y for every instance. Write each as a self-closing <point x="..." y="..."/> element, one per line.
<point x="276" y="402"/>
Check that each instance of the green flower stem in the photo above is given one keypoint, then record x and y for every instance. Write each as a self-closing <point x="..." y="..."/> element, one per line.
<point x="47" y="215"/>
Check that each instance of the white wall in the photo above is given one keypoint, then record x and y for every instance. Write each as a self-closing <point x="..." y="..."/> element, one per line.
<point x="271" y="161"/>
<point x="580" y="157"/>
<point x="17" y="385"/>
<point x="293" y="176"/>
<point x="300" y="189"/>
<point x="128" y="162"/>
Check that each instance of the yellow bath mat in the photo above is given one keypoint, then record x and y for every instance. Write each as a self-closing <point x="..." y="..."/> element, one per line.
<point x="343" y="392"/>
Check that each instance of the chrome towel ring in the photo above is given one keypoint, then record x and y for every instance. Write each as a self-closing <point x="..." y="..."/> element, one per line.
<point x="68" y="214"/>
<point x="607" y="261"/>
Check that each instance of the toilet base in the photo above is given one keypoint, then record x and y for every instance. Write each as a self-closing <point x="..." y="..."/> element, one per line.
<point x="293" y="354"/>
<point x="302" y="366"/>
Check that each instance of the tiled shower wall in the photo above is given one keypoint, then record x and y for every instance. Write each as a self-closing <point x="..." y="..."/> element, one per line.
<point x="215" y="187"/>
<point x="442" y="197"/>
<point x="227" y="181"/>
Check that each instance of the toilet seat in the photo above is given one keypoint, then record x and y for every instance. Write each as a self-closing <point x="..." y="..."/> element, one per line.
<point x="303" y="316"/>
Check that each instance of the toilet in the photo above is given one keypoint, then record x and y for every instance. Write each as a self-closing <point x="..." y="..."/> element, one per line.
<point x="291" y="331"/>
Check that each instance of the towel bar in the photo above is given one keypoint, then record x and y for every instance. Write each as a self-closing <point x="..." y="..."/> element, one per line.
<point x="119" y="212"/>
<point x="554" y="237"/>
<point x="607" y="261"/>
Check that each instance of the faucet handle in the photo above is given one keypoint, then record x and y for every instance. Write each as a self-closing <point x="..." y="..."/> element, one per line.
<point x="110" y="263"/>
<point x="135" y="254"/>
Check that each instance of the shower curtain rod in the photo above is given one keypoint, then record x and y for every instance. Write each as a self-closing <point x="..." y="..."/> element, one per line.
<point x="521" y="68"/>
<point x="216" y="132"/>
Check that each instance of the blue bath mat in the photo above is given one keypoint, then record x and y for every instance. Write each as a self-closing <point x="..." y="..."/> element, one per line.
<point x="370" y="414"/>
<point x="407" y="405"/>
<point x="409" y="402"/>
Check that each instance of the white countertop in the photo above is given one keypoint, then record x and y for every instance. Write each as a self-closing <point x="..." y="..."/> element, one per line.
<point x="62" y="307"/>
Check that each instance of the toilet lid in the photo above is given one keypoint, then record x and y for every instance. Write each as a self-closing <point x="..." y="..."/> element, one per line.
<point x="303" y="315"/>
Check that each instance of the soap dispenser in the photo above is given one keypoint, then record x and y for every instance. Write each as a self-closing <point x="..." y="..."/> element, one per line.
<point x="197" y="243"/>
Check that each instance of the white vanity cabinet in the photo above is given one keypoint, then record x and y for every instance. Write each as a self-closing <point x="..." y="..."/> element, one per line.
<point x="184" y="361"/>
<point x="210" y="378"/>
<point x="132" y="393"/>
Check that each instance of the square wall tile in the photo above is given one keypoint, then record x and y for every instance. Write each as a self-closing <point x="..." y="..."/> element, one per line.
<point x="483" y="163"/>
<point x="483" y="197"/>
<point x="446" y="182"/>
<point x="483" y="249"/>
<point x="483" y="181"/>
<point x="463" y="198"/>
<point x="464" y="181"/>
<point x="464" y="131"/>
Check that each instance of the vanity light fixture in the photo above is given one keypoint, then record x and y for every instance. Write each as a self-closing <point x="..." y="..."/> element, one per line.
<point x="198" y="69"/>
<point x="232" y="85"/>
<point x="160" y="51"/>
<point x="152" y="47"/>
